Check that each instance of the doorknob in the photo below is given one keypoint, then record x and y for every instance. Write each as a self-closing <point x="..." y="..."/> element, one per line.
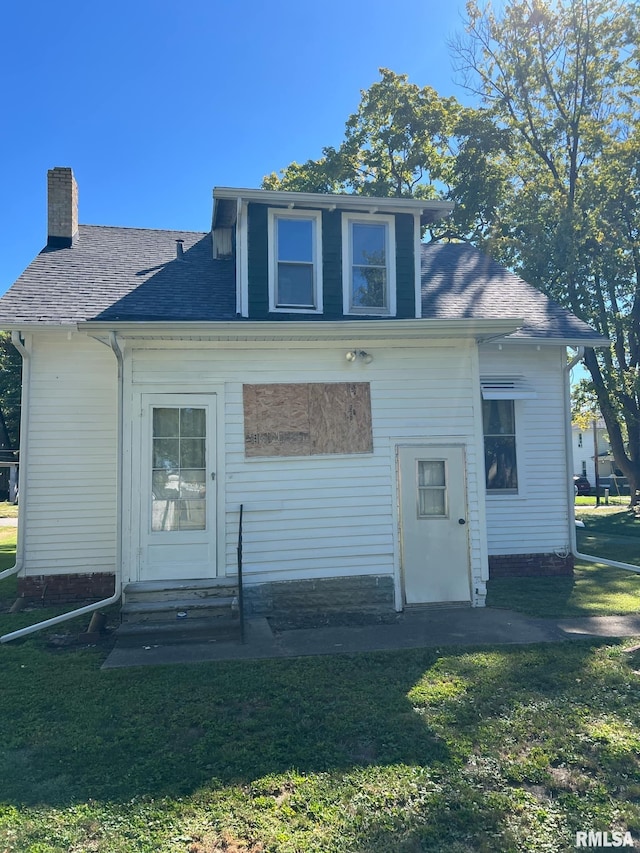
<point x="462" y="521"/>
<point x="213" y="475"/>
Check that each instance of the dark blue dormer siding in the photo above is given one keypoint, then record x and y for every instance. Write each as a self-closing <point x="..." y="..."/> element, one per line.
<point x="258" y="266"/>
<point x="332" y="264"/>
<point x="258" y="261"/>
<point x="405" y="266"/>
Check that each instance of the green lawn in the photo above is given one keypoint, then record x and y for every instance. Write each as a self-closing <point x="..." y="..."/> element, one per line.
<point x="459" y="750"/>
<point x="595" y="589"/>
<point x="8" y="510"/>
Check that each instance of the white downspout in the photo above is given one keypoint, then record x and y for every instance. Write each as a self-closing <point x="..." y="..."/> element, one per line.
<point x="569" y="478"/>
<point x="105" y="602"/>
<point x="24" y="432"/>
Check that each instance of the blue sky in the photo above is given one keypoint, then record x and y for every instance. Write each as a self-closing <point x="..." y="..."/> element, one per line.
<point x="154" y="103"/>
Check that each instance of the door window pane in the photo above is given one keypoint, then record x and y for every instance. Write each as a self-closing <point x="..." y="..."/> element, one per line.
<point x="192" y="452"/>
<point x="178" y="476"/>
<point x="431" y="473"/>
<point x="432" y="488"/>
<point x="166" y="453"/>
<point x="165" y="422"/>
<point x="192" y="423"/>
<point x="193" y="484"/>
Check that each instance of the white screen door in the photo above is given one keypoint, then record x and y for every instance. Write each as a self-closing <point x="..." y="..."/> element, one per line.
<point x="178" y="487"/>
<point x="433" y="524"/>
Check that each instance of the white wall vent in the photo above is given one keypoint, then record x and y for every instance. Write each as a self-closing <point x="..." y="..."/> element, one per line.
<point x="506" y="388"/>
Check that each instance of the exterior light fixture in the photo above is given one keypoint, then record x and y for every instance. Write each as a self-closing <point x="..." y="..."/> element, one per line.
<point x="354" y="354"/>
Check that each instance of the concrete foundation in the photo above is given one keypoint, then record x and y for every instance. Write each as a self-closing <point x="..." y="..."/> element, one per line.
<point x="361" y="593"/>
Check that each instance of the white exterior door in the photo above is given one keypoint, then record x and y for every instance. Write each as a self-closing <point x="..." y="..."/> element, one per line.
<point x="177" y="487"/>
<point x="433" y="525"/>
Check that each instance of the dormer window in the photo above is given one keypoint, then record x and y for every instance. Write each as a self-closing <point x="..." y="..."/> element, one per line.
<point x="368" y="272"/>
<point x="295" y="261"/>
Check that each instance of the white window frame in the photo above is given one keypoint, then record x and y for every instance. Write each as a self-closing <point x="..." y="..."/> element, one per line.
<point x="349" y="219"/>
<point x="315" y="216"/>
<point x="517" y="437"/>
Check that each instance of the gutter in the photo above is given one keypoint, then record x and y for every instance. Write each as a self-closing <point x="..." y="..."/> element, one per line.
<point x="105" y="602"/>
<point x="18" y="343"/>
<point x="238" y="332"/>
<point x="589" y="558"/>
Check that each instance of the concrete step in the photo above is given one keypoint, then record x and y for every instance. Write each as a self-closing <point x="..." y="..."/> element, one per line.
<point x="145" y="591"/>
<point x="179" y="609"/>
<point x="217" y="630"/>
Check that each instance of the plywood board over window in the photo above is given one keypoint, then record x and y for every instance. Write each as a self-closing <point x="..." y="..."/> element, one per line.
<point x="307" y="419"/>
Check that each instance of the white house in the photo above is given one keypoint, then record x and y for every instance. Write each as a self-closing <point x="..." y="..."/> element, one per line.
<point x="584" y="444"/>
<point x="390" y="414"/>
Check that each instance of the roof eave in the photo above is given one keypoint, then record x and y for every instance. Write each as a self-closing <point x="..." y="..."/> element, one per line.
<point x="429" y="210"/>
<point x="568" y="341"/>
<point x="392" y="329"/>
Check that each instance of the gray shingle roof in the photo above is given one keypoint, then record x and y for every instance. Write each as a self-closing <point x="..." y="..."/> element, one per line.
<point x="460" y="281"/>
<point x="123" y="274"/>
<point x="132" y="274"/>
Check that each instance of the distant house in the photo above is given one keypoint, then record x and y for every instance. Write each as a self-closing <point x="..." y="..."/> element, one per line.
<point x="584" y="445"/>
<point x="8" y="464"/>
<point x="390" y="414"/>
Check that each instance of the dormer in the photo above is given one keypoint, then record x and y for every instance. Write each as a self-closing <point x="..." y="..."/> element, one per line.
<point x="315" y="256"/>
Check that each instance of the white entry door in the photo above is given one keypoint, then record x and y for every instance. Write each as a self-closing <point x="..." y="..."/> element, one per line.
<point x="433" y="525"/>
<point x="178" y="487"/>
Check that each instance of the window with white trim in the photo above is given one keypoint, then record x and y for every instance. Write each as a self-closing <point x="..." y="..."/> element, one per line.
<point x="501" y="465"/>
<point x="295" y="260"/>
<point x="368" y="264"/>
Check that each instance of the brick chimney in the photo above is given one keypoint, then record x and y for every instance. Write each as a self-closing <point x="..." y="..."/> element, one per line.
<point x="62" y="195"/>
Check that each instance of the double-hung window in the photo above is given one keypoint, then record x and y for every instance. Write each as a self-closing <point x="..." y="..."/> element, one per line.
<point x="501" y="468"/>
<point x="295" y="261"/>
<point x="368" y="264"/>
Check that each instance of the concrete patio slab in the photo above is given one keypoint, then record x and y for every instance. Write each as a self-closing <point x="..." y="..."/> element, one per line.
<point x="412" y="629"/>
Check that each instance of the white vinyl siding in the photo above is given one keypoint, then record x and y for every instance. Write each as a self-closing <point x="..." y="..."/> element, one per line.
<point x="328" y="516"/>
<point x="536" y="519"/>
<point x="305" y="517"/>
<point x="70" y="464"/>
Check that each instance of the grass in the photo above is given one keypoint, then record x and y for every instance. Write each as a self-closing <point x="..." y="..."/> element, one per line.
<point x="503" y="749"/>
<point x="595" y="589"/>
<point x="495" y="749"/>
<point x="8" y="510"/>
<point x="614" y="500"/>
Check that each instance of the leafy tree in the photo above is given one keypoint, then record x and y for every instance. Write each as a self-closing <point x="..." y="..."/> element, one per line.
<point x="545" y="175"/>
<point x="408" y="141"/>
<point x="10" y="387"/>
<point x="562" y="77"/>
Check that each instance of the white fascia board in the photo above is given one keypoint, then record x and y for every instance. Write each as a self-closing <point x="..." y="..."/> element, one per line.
<point x="35" y="326"/>
<point x="369" y="204"/>
<point x="574" y="343"/>
<point x="234" y="330"/>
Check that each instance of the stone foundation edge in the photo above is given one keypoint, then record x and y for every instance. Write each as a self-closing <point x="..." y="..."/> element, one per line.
<point x="530" y="565"/>
<point x="360" y="593"/>
<point x="60" y="589"/>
